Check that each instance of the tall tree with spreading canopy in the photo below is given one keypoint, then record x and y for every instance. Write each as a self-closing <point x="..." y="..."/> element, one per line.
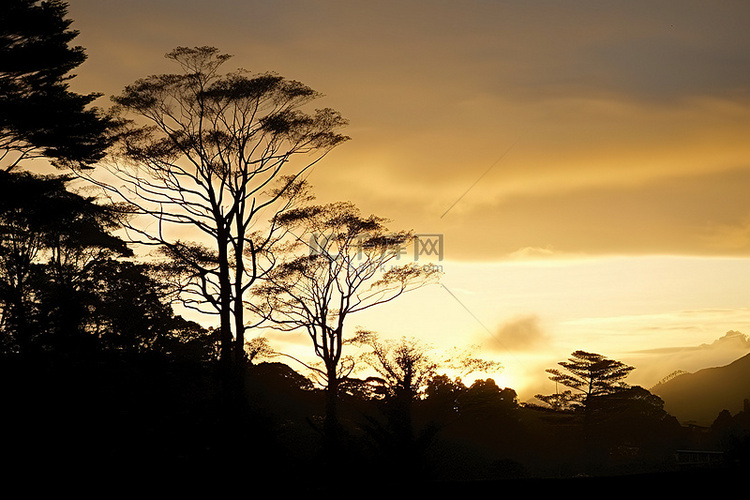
<point x="39" y="115"/>
<point x="201" y="159"/>
<point x="587" y="375"/>
<point x="338" y="264"/>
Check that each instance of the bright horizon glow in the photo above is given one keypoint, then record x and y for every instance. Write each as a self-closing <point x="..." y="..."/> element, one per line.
<point x="657" y="313"/>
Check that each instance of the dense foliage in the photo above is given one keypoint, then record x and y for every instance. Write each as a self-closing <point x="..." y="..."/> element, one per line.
<point x="40" y="117"/>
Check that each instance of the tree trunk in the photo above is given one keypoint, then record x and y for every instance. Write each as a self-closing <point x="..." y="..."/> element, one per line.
<point x="225" y="304"/>
<point x="239" y="308"/>
<point x="331" y="428"/>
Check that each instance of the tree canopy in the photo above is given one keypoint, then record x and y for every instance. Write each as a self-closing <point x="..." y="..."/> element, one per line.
<point x="337" y="263"/>
<point x="50" y="239"/>
<point x="39" y="115"/>
<point x="210" y="152"/>
<point x="587" y="375"/>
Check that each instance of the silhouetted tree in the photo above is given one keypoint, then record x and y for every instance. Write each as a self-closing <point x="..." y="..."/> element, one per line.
<point x="588" y="375"/>
<point x="443" y="395"/>
<point x="186" y="340"/>
<point x="559" y="401"/>
<point x="484" y="398"/>
<point x="130" y="312"/>
<point x="62" y="287"/>
<point x="285" y="374"/>
<point x="258" y="348"/>
<point x="408" y="372"/>
<point x="202" y="154"/>
<point x="407" y="366"/>
<point x="731" y="434"/>
<point x="39" y="115"/>
<point x="345" y="266"/>
<point x="630" y="427"/>
<point x="487" y="417"/>
<point x="404" y="367"/>
<point x="50" y="240"/>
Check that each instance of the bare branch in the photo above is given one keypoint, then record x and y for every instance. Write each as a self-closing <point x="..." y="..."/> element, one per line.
<point x="203" y="151"/>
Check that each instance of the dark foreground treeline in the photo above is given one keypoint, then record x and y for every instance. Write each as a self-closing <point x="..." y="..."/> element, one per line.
<point x="148" y="414"/>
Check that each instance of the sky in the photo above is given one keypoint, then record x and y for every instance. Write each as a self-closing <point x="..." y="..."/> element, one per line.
<point x="586" y="162"/>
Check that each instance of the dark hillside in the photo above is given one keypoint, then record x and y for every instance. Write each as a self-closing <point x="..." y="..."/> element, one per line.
<point x="699" y="397"/>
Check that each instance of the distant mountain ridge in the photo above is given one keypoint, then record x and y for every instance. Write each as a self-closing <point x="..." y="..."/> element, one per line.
<point x="699" y="397"/>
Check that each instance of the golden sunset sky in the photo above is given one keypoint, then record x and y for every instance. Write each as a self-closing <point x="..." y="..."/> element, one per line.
<point x="587" y="162"/>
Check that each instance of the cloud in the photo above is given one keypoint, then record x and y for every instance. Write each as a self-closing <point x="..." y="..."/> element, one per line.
<point x="658" y="363"/>
<point x="522" y="333"/>
<point x="610" y="108"/>
<point x="704" y="214"/>
<point x="532" y="253"/>
<point x="731" y="340"/>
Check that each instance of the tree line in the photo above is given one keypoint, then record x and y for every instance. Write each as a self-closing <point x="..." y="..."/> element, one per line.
<point x="204" y="167"/>
<point x="203" y="205"/>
